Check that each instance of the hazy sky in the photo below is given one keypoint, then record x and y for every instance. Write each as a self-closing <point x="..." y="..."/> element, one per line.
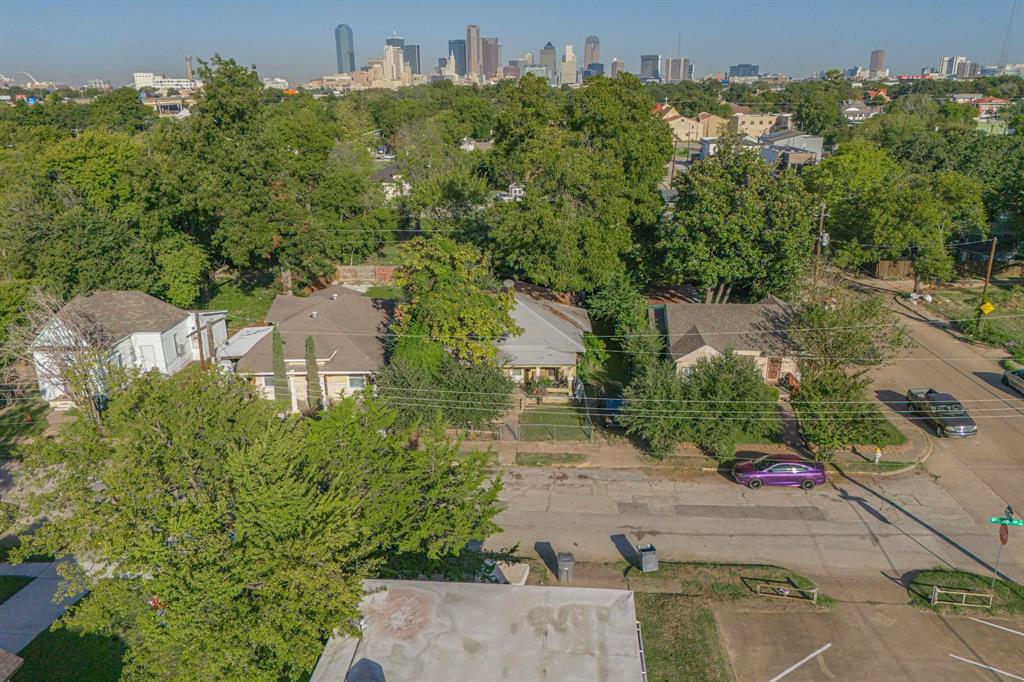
<point x="73" y="41"/>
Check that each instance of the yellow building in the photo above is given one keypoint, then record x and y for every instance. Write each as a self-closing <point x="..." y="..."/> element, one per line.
<point x="752" y="124"/>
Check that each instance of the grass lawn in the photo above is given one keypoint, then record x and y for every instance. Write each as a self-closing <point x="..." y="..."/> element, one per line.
<point x="64" y="656"/>
<point x="870" y="467"/>
<point x="717" y="582"/>
<point x="388" y="292"/>
<point x="247" y="304"/>
<point x="9" y="584"/>
<point x="545" y="459"/>
<point x="23" y="419"/>
<point x="554" y="422"/>
<point x="961" y="303"/>
<point x="1008" y="597"/>
<point x="386" y="256"/>
<point x="680" y="639"/>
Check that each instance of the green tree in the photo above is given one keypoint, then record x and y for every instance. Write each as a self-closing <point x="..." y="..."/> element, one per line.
<point x="282" y="392"/>
<point x="840" y="329"/>
<point x="621" y="305"/>
<point x="656" y="409"/>
<point x="314" y="392"/>
<point x="452" y="297"/>
<point x="834" y="410"/>
<point x="737" y="225"/>
<point x="238" y="541"/>
<point x="121" y="111"/>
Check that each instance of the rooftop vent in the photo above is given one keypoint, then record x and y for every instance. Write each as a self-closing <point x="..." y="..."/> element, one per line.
<point x="313" y="314"/>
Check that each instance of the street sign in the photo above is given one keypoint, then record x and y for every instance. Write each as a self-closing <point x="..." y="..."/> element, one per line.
<point x="1006" y="522"/>
<point x="1004" y="534"/>
<point x="986" y="307"/>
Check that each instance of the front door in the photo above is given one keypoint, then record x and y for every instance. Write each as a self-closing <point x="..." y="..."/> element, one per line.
<point x="148" y="357"/>
<point x="774" y="369"/>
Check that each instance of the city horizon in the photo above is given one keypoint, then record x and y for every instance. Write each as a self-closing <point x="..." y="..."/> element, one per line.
<point x="800" y="51"/>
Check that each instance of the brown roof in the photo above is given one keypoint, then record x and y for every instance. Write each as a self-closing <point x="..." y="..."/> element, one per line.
<point x="346" y="327"/>
<point x="121" y="313"/>
<point x="724" y="326"/>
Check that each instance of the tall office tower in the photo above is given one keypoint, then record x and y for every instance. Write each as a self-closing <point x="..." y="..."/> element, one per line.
<point x="744" y="71"/>
<point x="649" y="64"/>
<point x="395" y="40"/>
<point x="687" y="69"/>
<point x="618" y="66"/>
<point x="592" y="50"/>
<point x="394" y="62"/>
<point x="549" y="59"/>
<point x="568" y="73"/>
<point x="457" y="48"/>
<point x="528" y="58"/>
<point x="474" y="60"/>
<point x="411" y="53"/>
<point x="490" y="50"/>
<point x="877" y="62"/>
<point x="673" y="72"/>
<point x="345" y="48"/>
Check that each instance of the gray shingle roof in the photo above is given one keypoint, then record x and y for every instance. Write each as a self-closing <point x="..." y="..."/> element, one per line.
<point x="552" y="330"/>
<point x="725" y="326"/>
<point x="121" y="313"/>
<point x="347" y="328"/>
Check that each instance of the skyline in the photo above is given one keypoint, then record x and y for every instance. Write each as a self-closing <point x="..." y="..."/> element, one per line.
<point x="296" y="41"/>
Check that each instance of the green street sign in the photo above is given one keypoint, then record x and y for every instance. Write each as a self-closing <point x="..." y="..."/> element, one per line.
<point x="1006" y="522"/>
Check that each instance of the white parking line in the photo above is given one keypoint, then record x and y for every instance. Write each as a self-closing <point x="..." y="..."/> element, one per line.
<point x="985" y="622"/>
<point x="988" y="667"/>
<point x="801" y="662"/>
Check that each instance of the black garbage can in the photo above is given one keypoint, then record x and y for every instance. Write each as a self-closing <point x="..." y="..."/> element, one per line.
<point x="648" y="558"/>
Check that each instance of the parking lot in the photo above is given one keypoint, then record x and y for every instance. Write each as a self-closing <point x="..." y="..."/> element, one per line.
<point x="869" y="642"/>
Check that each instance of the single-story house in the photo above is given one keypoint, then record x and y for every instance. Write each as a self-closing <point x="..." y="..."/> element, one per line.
<point x="755" y="330"/>
<point x="141" y="331"/>
<point x="552" y="338"/>
<point x="795" y="139"/>
<point x="392" y="184"/>
<point x="240" y="343"/>
<point x="855" y="112"/>
<point x="420" y="630"/>
<point x="347" y="330"/>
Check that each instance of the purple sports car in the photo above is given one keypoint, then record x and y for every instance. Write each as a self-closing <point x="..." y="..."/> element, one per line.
<point x="779" y="470"/>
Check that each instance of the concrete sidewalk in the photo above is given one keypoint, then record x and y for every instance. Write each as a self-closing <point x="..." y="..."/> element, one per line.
<point x="31" y="610"/>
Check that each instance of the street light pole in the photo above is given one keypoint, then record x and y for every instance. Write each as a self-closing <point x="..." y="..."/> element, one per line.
<point x="817" y="244"/>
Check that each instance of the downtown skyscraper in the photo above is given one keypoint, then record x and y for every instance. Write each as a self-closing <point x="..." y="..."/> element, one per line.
<point x="591" y="51"/>
<point x="474" y="58"/>
<point x="345" y="48"/>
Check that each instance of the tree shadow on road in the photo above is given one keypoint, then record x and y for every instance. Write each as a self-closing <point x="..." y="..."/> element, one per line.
<point x="899" y="405"/>
<point x="995" y="380"/>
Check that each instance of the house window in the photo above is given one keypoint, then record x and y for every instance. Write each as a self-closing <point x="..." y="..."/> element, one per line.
<point x="268" y="382"/>
<point x="356" y="382"/>
<point x="517" y="374"/>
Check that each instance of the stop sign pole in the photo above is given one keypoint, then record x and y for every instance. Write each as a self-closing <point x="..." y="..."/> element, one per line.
<point x="1004" y="537"/>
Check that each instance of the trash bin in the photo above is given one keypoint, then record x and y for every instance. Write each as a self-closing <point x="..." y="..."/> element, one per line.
<point x="566" y="562"/>
<point x="648" y="558"/>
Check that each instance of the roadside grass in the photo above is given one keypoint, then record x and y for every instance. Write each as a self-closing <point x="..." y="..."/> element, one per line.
<point x="716" y="582"/>
<point x="889" y="435"/>
<point x="554" y="422"/>
<point x="1008" y="597"/>
<point x="10" y="584"/>
<point x="246" y="303"/>
<point x="388" y="292"/>
<point x="549" y="459"/>
<point x="23" y="419"/>
<point x="681" y="639"/>
<point x="883" y="467"/>
<point x="1001" y="327"/>
<point x="64" y="656"/>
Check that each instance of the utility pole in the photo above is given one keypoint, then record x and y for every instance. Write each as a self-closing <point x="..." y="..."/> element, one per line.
<point x="817" y="244"/>
<point x="984" y="289"/>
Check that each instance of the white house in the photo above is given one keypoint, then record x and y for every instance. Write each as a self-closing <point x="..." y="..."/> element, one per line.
<point x="142" y="332"/>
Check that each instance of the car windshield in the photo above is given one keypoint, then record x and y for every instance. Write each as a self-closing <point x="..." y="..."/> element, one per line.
<point x="763" y="464"/>
<point x="950" y="409"/>
<point x="1019" y="372"/>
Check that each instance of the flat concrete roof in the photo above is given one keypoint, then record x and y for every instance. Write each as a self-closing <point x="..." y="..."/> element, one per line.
<point x="427" y="631"/>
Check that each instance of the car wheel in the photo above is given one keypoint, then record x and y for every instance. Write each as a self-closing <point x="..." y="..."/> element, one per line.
<point x="807" y="484"/>
<point x="1006" y="381"/>
<point x="938" y="431"/>
<point x="754" y="484"/>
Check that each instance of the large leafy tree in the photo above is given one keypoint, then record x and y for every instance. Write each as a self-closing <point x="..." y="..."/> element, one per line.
<point x="736" y="225"/>
<point x="452" y="297"/>
<point x="230" y="543"/>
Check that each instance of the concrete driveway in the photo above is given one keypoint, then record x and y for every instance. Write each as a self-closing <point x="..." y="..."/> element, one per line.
<point x="868" y="642"/>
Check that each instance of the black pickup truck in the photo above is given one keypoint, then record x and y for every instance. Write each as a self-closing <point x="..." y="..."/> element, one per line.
<point x="945" y="414"/>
